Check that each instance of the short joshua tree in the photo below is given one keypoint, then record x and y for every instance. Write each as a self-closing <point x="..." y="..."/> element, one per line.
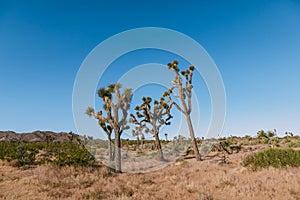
<point x="114" y="120"/>
<point x="150" y="118"/>
<point x="105" y="127"/>
<point x="138" y="133"/>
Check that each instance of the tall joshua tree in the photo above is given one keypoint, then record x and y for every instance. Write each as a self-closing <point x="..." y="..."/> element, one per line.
<point x="117" y="121"/>
<point x="156" y="117"/>
<point x="183" y="84"/>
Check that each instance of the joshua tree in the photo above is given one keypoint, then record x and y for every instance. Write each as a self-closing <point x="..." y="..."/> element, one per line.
<point x="138" y="132"/>
<point x="105" y="127"/>
<point x="185" y="96"/>
<point x="166" y="135"/>
<point x="269" y="137"/>
<point x="156" y="117"/>
<point x="271" y="134"/>
<point x="262" y="134"/>
<point x="289" y="134"/>
<point x="115" y="120"/>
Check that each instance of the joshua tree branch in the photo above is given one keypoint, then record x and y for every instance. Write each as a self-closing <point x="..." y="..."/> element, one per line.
<point x="175" y="104"/>
<point x="189" y="103"/>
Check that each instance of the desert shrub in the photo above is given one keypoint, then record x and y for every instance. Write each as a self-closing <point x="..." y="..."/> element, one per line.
<point x="7" y="150"/>
<point x="207" y="147"/>
<point x="276" y="142"/>
<point x="274" y="157"/>
<point x="293" y="144"/>
<point x="68" y="153"/>
<point x="25" y="154"/>
<point x="204" y="196"/>
<point x="265" y="141"/>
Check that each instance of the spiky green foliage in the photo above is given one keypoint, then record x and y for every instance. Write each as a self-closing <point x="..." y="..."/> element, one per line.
<point x="89" y="111"/>
<point x="111" y="88"/>
<point x="102" y="93"/>
<point x="192" y="67"/>
<point x="127" y="94"/>
<point x="173" y="66"/>
<point x="165" y="94"/>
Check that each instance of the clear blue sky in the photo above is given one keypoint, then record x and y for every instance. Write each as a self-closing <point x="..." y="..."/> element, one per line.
<point x="255" y="44"/>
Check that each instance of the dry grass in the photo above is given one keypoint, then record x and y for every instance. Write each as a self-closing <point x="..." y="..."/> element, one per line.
<point x="186" y="179"/>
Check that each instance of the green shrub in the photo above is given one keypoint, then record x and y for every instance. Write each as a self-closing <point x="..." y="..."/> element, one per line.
<point x="8" y="151"/>
<point x="274" y="157"/>
<point x="293" y="144"/>
<point x="67" y="153"/>
<point x="25" y="154"/>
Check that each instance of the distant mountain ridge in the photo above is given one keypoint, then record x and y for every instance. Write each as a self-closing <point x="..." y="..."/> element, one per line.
<point x="37" y="136"/>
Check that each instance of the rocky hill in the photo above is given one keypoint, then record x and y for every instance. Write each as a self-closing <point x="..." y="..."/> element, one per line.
<point x="37" y="136"/>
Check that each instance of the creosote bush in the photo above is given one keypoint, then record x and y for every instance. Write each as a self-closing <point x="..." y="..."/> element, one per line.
<point x="274" y="157"/>
<point x="61" y="154"/>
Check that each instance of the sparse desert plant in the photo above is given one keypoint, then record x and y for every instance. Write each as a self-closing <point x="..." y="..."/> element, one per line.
<point x="276" y="157"/>
<point x="204" y="196"/>
<point x="248" y="137"/>
<point x="185" y="96"/>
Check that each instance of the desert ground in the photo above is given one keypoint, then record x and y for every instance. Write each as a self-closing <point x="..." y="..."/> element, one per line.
<point x="185" y="179"/>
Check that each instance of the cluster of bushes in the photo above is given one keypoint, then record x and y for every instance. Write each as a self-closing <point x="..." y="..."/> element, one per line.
<point x="292" y="144"/>
<point x="61" y="154"/>
<point x="274" y="157"/>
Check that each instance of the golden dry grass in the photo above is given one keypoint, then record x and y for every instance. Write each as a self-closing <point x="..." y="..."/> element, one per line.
<point x="186" y="179"/>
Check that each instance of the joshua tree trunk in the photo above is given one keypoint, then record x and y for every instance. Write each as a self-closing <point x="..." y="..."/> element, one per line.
<point x="194" y="142"/>
<point x="142" y="142"/>
<point x="158" y="147"/>
<point x="118" y="151"/>
<point x="137" y="142"/>
<point x="110" y="149"/>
